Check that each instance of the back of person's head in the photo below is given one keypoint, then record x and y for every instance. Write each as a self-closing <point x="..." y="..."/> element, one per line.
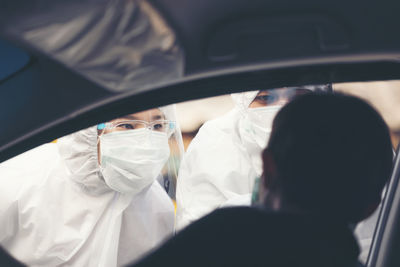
<point x="332" y="156"/>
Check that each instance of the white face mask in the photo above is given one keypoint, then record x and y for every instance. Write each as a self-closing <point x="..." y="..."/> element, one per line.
<point x="254" y="130"/>
<point x="132" y="160"/>
<point x="261" y="120"/>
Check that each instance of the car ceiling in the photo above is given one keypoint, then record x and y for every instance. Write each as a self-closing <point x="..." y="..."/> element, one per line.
<point x="228" y="46"/>
<point x="277" y="30"/>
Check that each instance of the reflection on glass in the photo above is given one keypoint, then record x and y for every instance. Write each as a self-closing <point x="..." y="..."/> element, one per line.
<point x="109" y="190"/>
<point x="13" y="59"/>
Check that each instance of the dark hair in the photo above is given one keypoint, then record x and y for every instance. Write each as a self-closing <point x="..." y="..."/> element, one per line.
<point x="333" y="154"/>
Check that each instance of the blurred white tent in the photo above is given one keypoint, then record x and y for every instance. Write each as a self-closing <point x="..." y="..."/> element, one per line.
<point x="192" y="114"/>
<point x="384" y="96"/>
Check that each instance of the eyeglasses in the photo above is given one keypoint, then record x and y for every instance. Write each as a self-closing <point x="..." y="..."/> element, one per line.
<point x="127" y="125"/>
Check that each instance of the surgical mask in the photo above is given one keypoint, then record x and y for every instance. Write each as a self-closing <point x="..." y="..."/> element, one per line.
<point x="260" y="123"/>
<point x="132" y="160"/>
<point x="254" y="130"/>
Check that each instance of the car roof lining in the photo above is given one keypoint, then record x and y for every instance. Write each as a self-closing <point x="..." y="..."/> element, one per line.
<point x="19" y="60"/>
<point x="197" y="22"/>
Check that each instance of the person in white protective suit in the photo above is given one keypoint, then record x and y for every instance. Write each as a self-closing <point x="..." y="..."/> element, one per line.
<point x="92" y="199"/>
<point x="223" y="161"/>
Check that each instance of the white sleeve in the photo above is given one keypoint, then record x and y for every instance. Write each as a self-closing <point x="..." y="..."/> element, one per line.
<point x="16" y="177"/>
<point x="213" y="171"/>
<point x="8" y="218"/>
<point x="10" y="184"/>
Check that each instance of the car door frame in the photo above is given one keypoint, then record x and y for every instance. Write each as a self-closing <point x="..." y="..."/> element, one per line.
<point x="387" y="233"/>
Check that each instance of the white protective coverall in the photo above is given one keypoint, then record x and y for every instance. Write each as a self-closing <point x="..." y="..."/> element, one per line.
<point x="57" y="211"/>
<point x="220" y="165"/>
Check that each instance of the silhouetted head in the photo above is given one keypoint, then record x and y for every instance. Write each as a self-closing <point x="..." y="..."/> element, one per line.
<point x="327" y="154"/>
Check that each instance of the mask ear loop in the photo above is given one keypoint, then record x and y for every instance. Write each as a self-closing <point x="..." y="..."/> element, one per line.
<point x="171" y="128"/>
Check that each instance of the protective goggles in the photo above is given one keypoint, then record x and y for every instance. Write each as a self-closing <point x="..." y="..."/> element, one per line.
<point x="165" y="126"/>
<point x="270" y="97"/>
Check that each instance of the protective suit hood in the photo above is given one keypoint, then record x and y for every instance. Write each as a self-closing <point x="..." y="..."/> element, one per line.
<point x="243" y="100"/>
<point x="79" y="152"/>
<point x="57" y="210"/>
<point x="205" y="182"/>
<point x="224" y="159"/>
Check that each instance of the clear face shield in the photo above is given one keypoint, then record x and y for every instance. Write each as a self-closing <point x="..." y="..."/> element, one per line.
<point x="137" y="149"/>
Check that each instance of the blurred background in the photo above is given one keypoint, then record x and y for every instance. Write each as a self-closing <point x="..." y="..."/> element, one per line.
<point x="383" y="95"/>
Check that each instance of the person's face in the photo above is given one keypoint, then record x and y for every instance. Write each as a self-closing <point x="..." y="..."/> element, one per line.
<point x="125" y="123"/>
<point x="279" y="96"/>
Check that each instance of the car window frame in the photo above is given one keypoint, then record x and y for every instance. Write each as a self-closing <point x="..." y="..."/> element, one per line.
<point x="386" y="232"/>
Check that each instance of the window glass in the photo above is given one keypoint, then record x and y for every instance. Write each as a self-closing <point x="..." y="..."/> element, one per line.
<point x="220" y="137"/>
<point x="12" y="59"/>
<point x="127" y="184"/>
<point x="385" y="97"/>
